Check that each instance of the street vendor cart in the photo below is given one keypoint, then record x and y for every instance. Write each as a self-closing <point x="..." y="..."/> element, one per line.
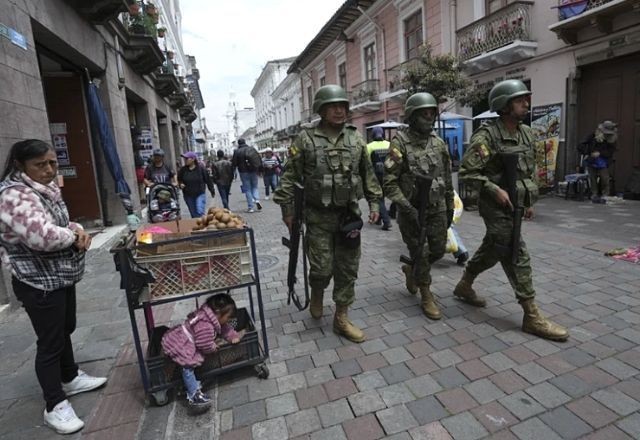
<point x="186" y="265"/>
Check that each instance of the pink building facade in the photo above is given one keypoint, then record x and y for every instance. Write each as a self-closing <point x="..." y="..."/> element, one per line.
<point x="364" y="48"/>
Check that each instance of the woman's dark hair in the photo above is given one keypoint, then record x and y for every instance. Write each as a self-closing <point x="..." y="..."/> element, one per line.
<point x="23" y="151"/>
<point x="221" y="304"/>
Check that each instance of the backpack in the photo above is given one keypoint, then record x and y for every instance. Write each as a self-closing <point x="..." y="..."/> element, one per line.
<point x="251" y="159"/>
<point x="377" y="160"/>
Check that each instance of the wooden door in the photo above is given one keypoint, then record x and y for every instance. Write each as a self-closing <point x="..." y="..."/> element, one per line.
<point x="611" y="91"/>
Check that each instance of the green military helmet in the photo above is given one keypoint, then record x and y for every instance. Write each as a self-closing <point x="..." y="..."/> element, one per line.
<point x="418" y="101"/>
<point x="504" y="91"/>
<point x="329" y="94"/>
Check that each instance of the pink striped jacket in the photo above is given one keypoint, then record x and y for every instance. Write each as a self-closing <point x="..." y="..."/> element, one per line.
<point x="186" y="344"/>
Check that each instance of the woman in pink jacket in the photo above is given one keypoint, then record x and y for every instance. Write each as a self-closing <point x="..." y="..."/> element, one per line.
<point x="186" y="344"/>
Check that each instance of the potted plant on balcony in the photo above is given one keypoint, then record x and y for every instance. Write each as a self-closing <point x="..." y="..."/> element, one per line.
<point x="134" y="9"/>
<point x="170" y="54"/>
<point x="161" y="32"/>
<point x="151" y="9"/>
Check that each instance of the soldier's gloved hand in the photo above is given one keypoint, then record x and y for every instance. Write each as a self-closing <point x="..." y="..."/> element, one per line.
<point x="449" y="217"/>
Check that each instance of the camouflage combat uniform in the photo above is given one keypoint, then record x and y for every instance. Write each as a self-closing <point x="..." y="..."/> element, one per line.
<point x="336" y="173"/>
<point x="482" y="168"/>
<point x="410" y="153"/>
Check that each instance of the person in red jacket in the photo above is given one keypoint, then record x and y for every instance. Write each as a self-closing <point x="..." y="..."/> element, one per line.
<point x="188" y="343"/>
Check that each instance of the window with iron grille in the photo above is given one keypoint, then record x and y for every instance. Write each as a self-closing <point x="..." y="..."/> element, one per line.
<point x="342" y="75"/>
<point x="412" y="35"/>
<point x="310" y="97"/>
<point x="370" y="62"/>
<point x="322" y="81"/>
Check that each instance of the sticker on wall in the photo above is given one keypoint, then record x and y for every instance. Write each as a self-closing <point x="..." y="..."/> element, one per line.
<point x="68" y="172"/>
<point x="14" y="36"/>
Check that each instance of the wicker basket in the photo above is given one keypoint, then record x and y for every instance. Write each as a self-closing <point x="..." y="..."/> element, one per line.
<point x="199" y="271"/>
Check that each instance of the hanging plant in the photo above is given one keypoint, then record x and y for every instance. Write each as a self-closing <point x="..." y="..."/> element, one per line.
<point x="170" y="54"/>
<point x="161" y="32"/>
<point x="134" y="9"/>
<point x="151" y="9"/>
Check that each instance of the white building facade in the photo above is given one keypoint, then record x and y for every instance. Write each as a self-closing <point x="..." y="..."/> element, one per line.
<point x="287" y="103"/>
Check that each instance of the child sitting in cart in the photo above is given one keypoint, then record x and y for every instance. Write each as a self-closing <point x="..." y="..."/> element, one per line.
<point x="188" y="343"/>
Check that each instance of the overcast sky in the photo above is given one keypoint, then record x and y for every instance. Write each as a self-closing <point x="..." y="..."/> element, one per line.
<point x="232" y="41"/>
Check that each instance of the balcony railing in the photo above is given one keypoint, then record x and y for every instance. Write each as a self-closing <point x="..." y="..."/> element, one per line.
<point x="395" y="75"/>
<point x="99" y="11"/>
<point x="577" y="7"/>
<point x="496" y="30"/>
<point x="364" y="92"/>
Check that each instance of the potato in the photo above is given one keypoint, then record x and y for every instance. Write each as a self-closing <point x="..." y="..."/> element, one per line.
<point x="199" y="222"/>
<point x="211" y="228"/>
<point x="221" y="225"/>
<point x="225" y="218"/>
<point x="219" y="215"/>
<point x="231" y="224"/>
<point x="210" y="218"/>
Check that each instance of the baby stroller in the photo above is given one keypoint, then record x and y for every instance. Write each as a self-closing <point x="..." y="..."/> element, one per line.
<point x="162" y="203"/>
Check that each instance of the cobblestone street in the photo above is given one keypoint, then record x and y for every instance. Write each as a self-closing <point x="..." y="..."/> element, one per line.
<point x="471" y="375"/>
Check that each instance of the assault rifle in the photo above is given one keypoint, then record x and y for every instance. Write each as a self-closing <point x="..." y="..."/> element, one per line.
<point x="296" y="238"/>
<point x="510" y="165"/>
<point x="423" y="186"/>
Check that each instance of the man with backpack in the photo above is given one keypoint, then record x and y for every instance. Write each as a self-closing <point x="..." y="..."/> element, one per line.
<point x="222" y="171"/>
<point x="247" y="161"/>
<point x="377" y="152"/>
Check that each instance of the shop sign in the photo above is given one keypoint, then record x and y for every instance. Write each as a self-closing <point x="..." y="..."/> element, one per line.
<point x="68" y="172"/>
<point x="14" y="36"/>
<point x="545" y="123"/>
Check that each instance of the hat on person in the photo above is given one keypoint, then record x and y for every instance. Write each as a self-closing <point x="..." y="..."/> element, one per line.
<point x="378" y="133"/>
<point x="189" y="155"/>
<point x="242" y="143"/>
<point x="608" y="127"/>
<point x="158" y="152"/>
<point x="268" y="150"/>
<point x="164" y="195"/>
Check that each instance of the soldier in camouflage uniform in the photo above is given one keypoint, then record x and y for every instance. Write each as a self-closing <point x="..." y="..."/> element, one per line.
<point x="330" y="160"/>
<point x="483" y="168"/>
<point x="418" y="150"/>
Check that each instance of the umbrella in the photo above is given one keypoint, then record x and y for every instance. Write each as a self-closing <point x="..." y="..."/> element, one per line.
<point x="107" y="141"/>
<point x="486" y="115"/>
<point x="389" y="125"/>
<point x="446" y="116"/>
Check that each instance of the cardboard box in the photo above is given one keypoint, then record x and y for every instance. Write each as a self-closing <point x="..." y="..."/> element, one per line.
<point x="183" y="229"/>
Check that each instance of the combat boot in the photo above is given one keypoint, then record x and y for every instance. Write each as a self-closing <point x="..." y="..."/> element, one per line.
<point x="315" y="304"/>
<point x="343" y="327"/>
<point x="428" y="304"/>
<point x="533" y="322"/>
<point x="465" y="292"/>
<point x="409" y="281"/>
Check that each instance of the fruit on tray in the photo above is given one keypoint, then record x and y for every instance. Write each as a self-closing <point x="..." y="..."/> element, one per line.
<point x="219" y="219"/>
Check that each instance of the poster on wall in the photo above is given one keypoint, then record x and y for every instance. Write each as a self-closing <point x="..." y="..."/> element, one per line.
<point x="146" y="143"/>
<point x="59" y="141"/>
<point x="545" y="123"/>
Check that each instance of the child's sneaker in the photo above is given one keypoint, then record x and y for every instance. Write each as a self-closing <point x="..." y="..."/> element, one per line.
<point x="83" y="382"/>
<point x="259" y="206"/>
<point x="199" y="399"/>
<point x="63" y="419"/>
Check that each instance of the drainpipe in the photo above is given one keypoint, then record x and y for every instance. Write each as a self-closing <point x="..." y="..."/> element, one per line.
<point x="453" y="21"/>
<point x="384" y="51"/>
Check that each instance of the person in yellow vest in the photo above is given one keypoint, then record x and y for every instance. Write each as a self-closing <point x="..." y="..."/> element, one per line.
<point x="377" y="152"/>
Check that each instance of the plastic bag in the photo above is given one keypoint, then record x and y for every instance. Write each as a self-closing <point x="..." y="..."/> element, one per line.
<point x="458" y="207"/>
<point x="452" y="243"/>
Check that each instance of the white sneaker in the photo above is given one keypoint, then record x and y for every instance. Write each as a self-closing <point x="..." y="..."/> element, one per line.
<point x="266" y="197"/>
<point x="250" y="210"/>
<point x="83" y="382"/>
<point x="63" y="419"/>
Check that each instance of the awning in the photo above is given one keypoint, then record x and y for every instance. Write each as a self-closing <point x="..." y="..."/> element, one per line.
<point x="486" y="115"/>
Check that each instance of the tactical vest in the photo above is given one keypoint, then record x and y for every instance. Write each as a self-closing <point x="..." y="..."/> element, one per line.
<point x="335" y="180"/>
<point x="527" y="189"/>
<point x="423" y="158"/>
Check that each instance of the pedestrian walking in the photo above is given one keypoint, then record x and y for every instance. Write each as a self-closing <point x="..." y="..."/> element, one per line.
<point x="222" y="174"/>
<point x="46" y="255"/>
<point x="158" y="171"/>
<point x="270" y="171"/>
<point x="247" y="161"/>
<point x="329" y="159"/>
<point x="482" y="167"/>
<point x="417" y="150"/>
<point x="377" y="151"/>
<point x="193" y="179"/>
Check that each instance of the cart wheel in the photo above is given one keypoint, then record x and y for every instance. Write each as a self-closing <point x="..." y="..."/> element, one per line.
<point x="160" y="398"/>
<point x="262" y="370"/>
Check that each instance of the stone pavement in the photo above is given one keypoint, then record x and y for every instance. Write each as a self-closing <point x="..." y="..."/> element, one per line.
<point x="472" y="375"/>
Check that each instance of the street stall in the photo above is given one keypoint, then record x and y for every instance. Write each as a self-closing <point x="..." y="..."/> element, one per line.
<point x="183" y="260"/>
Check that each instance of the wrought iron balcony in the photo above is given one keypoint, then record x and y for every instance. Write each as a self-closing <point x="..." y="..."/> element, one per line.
<point x="165" y="82"/>
<point x="396" y="74"/>
<point x="496" y="30"/>
<point x="576" y="15"/>
<point x="366" y="91"/>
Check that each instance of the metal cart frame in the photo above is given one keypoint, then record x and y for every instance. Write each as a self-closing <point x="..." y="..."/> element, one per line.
<point x="125" y="260"/>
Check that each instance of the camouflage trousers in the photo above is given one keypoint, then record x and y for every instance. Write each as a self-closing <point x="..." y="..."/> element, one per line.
<point x="496" y="247"/>
<point x="330" y="258"/>
<point x="435" y="245"/>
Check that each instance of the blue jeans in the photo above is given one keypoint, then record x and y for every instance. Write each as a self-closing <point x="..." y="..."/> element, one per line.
<point x="223" y="190"/>
<point x="250" y="188"/>
<point x="461" y="248"/>
<point x="270" y="182"/>
<point x="196" y="204"/>
<point x="384" y="214"/>
<point x="191" y="384"/>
